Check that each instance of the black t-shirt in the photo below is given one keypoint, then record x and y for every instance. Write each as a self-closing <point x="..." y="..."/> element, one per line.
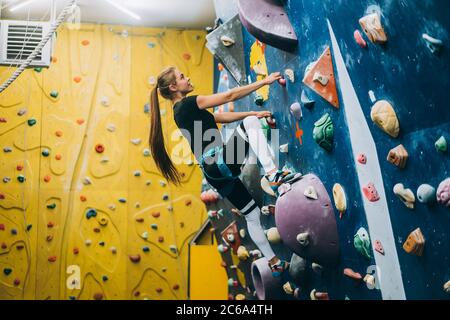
<point x="199" y="123"/>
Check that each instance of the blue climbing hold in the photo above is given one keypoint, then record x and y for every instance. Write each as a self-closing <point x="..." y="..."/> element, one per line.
<point x="91" y="213"/>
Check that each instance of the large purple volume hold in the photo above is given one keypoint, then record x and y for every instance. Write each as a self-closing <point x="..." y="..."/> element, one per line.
<point x="268" y="22"/>
<point x="296" y="214"/>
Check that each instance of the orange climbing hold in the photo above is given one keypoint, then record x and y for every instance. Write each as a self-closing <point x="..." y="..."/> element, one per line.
<point x="80" y="121"/>
<point x="415" y="243"/>
<point x="58" y="156"/>
<point x="83" y="198"/>
<point x="220" y="67"/>
<point x="50" y="225"/>
<point x="155" y="214"/>
<point x="188" y="202"/>
<point x="77" y="79"/>
<point x="176" y="287"/>
<point x="58" y="133"/>
<point x="85" y="42"/>
<point x="186" y="56"/>
<point x="324" y="68"/>
<point x="54" y="59"/>
<point x="47" y="178"/>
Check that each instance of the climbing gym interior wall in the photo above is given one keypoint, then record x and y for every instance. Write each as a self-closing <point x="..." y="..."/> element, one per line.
<point x="84" y="213"/>
<point x="362" y="113"/>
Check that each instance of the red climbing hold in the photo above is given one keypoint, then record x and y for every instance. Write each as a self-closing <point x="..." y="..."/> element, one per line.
<point x="371" y="193"/>
<point x="137" y="293"/>
<point x="16" y="282"/>
<point x="378" y="247"/>
<point x="282" y="82"/>
<point x="52" y="258"/>
<point x="159" y="290"/>
<point x="359" y="39"/>
<point x="140" y="220"/>
<point x="99" y="148"/>
<point x="362" y="158"/>
<point x="98" y="296"/>
<point x="4" y="246"/>
<point x="2" y="196"/>
<point x="160" y="239"/>
<point x="176" y="287"/>
<point x="19" y="167"/>
<point x="135" y="258"/>
<point x="3" y="120"/>
<point x="188" y="202"/>
<point x="50" y="225"/>
<point x="2" y="227"/>
<point x="96" y="230"/>
<point x="76" y="250"/>
<point x="20" y="247"/>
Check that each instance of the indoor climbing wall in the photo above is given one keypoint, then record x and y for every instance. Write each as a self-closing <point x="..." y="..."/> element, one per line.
<point x="362" y="114"/>
<point x="84" y="213"/>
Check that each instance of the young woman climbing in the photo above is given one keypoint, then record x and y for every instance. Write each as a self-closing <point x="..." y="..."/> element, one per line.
<point x="221" y="163"/>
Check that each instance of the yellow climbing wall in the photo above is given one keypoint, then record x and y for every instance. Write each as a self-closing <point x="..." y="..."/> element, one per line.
<point x="92" y="218"/>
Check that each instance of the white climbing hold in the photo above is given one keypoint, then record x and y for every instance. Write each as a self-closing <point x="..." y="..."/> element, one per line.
<point x="242" y="253"/>
<point x="111" y="127"/>
<point x="242" y="233"/>
<point x="87" y="181"/>
<point x="104" y="101"/>
<point x="162" y="183"/>
<point x="21" y="112"/>
<point x="151" y="80"/>
<point x="405" y="195"/>
<point x="112" y="207"/>
<point x="284" y="148"/>
<point x="370" y="281"/>
<point x="310" y="193"/>
<point x="88" y="242"/>
<point x="289" y="73"/>
<point x="136" y="141"/>
<point x="148" y="182"/>
<point x="303" y="239"/>
<point x="104" y="159"/>
<point x="227" y="41"/>
<point x="145" y="235"/>
<point x="137" y="173"/>
<point x="256" y="253"/>
<point x="447" y="287"/>
<point x="273" y="235"/>
<point x="173" y="248"/>
<point x="113" y="250"/>
<point x="137" y="205"/>
<point x="372" y="97"/>
<point x="322" y="79"/>
<point x="317" y="268"/>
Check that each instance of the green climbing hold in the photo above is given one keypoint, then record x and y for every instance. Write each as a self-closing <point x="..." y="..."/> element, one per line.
<point x="361" y="241"/>
<point x="105" y="278"/>
<point x="441" y="144"/>
<point x="38" y="69"/>
<point x="54" y="94"/>
<point x="72" y="298"/>
<point x="29" y="227"/>
<point x="91" y="213"/>
<point x="21" y="178"/>
<point x="323" y="132"/>
<point x="146" y="249"/>
<point x="45" y="152"/>
<point x="7" y="271"/>
<point x="259" y="100"/>
<point x="154" y="226"/>
<point x="51" y="206"/>
<point x="31" y="122"/>
<point x="102" y="243"/>
<point x="265" y="127"/>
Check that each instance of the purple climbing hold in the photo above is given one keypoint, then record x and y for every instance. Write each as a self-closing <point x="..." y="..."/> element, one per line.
<point x="268" y="22"/>
<point x="267" y="287"/>
<point x="443" y="193"/>
<point x="297" y="215"/>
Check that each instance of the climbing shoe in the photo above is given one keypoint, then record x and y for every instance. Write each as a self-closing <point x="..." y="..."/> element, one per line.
<point x="278" y="268"/>
<point x="270" y="183"/>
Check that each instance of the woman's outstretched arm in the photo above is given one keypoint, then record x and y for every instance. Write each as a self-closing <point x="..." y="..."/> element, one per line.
<point x="228" y="117"/>
<point x="234" y="94"/>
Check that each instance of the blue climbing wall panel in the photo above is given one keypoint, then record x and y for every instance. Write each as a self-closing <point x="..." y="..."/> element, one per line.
<point x="416" y="82"/>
